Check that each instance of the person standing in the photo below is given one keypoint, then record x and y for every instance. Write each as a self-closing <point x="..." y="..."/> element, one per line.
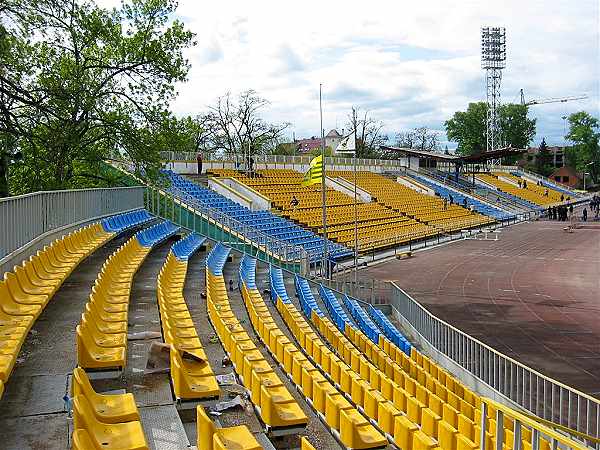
<point x="451" y="198"/>
<point x="199" y="161"/>
<point x="585" y="214"/>
<point x="445" y="203"/>
<point x="570" y="212"/>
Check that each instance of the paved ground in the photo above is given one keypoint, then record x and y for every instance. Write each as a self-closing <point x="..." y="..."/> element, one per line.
<point x="533" y="295"/>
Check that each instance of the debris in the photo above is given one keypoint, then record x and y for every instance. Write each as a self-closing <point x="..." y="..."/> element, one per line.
<point x="158" y="358"/>
<point x="237" y="401"/>
<point x="213" y="339"/>
<point x="215" y="413"/>
<point x="225" y="361"/>
<point x="226" y="379"/>
<point x="203" y="294"/>
<point x="187" y="356"/>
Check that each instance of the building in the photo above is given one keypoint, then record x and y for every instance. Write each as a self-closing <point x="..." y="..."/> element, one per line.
<point x="567" y="176"/>
<point x="557" y="155"/>
<point x="333" y="139"/>
<point x="307" y="145"/>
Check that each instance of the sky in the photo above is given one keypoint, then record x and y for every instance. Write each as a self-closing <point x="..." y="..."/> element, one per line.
<point x="409" y="63"/>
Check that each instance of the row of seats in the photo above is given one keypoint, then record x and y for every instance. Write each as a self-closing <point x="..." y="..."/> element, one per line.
<point x="275" y="405"/>
<point x="424" y="208"/>
<point x="104" y="420"/>
<point x="522" y="193"/>
<point x="102" y="331"/>
<point x="419" y="411"/>
<point x="389" y="330"/>
<point x="263" y="221"/>
<point x="122" y="222"/>
<point x="209" y="437"/>
<point x="362" y="319"/>
<point x="25" y="292"/>
<point x="460" y="198"/>
<point x="191" y="374"/>
<point x="348" y="424"/>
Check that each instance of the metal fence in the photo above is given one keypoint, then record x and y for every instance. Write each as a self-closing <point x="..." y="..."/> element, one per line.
<point x="25" y="217"/>
<point x="537" y="393"/>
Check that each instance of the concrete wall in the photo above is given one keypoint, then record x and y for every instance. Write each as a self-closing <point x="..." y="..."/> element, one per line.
<point x="415" y="186"/>
<point x="221" y="188"/>
<point x="345" y="187"/>
<point x="259" y="202"/>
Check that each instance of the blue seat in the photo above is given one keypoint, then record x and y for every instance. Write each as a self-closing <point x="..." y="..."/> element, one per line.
<point x="335" y="309"/>
<point x="157" y="233"/>
<point x="185" y="248"/>
<point x="122" y="222"/>
<point x="364" y="322"/>
<point x="389" y="330"/>
<point x="217" y="258"/>
<point x="307" y="299"/>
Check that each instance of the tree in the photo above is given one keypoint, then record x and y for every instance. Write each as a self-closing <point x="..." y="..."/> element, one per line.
<point x="421" y="138"/>
<point x="543" y="161"/>
<point x="236" y="125"/>
<point x="369" y="134"/>
<point x="584" y="155"/>
<point x="468" y="128"/>
<point x="80" y="84"/>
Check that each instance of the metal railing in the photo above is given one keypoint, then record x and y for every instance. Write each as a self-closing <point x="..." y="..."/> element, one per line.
<point x="187" y="211"/>
<point x="25" y="217"/>
<point x="279" y="161"/>
<point x="541" y="395"/>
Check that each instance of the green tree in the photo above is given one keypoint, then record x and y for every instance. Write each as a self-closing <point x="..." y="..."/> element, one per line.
<point x="543" y="161"/>
<point x="80" y="84"/>
<point x="584" y="154"/>
<point x="468" y="128"/>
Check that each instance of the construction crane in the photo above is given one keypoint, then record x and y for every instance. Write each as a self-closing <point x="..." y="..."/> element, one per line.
<point x="542" y="101"/>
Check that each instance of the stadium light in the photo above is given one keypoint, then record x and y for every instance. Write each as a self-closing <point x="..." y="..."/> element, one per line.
<point x="493" y="60"/>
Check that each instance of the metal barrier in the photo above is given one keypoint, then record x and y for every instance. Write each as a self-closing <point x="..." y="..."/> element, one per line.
<point x="537" y="393"/>
<point x="25" y="217"/>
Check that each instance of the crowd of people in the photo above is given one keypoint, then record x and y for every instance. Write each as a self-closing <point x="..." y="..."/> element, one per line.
<point x="595" y="205"/>
<point x="560" y="213"/>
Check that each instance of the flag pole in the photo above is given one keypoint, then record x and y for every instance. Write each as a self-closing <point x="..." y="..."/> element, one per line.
<point x="323" y="195"/>
<point x="355" y="205"/>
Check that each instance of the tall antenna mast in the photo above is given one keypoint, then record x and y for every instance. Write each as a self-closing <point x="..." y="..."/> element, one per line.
<point x="493" y="60"/>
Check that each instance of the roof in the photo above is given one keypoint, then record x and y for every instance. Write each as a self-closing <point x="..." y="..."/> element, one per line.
<point x="333" y="134"/>
<point x="478" y="157"/>
<point x="306" y="145"/>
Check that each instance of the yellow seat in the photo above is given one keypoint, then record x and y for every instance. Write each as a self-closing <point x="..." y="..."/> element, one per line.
<point x="212" y="438"/>
<point x="305" y="444"/>
<point x="113" y="408"/>
<point x="357" y="433"/>
<point x="81" y="440"/>
<point x="91" y="356"/>
<point x="192" y="379"/>
<point x="122" y="436"/>
<point x="403" y="432"/>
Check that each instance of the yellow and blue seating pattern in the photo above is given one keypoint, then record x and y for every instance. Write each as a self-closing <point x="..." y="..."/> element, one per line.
<point x="25" y="292"/>
<point x="191" y="377"/>
<point x="276" y="407"/>
<point x="102" y="332"/>
<point x="351" y="427"/>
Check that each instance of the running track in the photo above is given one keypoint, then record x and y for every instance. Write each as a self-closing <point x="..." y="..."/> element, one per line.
<point x="533" y="295"/>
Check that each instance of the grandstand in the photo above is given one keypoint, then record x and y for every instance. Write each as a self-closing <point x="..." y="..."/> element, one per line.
<point x="148" y="320"/>
<point x="509" y="183"/>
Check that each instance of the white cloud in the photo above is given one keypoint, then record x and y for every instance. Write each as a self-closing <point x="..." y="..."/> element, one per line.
<point x="410" y="63"/>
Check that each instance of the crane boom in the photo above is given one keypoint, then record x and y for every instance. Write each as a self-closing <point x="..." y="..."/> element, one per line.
<point x="542" y="101"/>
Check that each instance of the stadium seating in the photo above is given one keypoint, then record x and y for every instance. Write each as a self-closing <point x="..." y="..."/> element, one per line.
<point x="25" y="292"/>
<point x="211" y="437"/>
<point x="389" y="330"/>
<point x="533" y="193"/>
<point x="377" y="226"/>
<point x="459" y="198"/>
<point x="122" y="222"/>
<point x="354" y="430"/>
<point x="191" y="374"/>
<point x="424" y="208"/>
<point x="102" y="331"/>
<point x="263" y="221"/>
<point x="275" y="405"/>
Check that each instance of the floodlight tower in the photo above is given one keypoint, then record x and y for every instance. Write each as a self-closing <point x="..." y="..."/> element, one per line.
<point x="493" y="60"/>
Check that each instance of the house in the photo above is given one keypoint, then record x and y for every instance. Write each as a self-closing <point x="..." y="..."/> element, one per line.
<point x="567" y="176"/>
<point x="333" y="139"/>
<point x="307" y="145"/>
<point x="557" y="155"/>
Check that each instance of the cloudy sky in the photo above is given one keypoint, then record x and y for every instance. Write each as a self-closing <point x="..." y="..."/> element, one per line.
<point x="410" y="63"/>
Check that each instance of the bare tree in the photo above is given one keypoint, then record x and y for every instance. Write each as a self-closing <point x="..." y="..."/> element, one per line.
<point x="421" y="138"/>
<point x="236" y="125"/>
<point x="369" y="134"/>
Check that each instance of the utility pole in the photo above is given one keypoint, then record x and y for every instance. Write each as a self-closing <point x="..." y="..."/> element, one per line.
<point x="355" y="204"/>
<point x="323" y="193"/>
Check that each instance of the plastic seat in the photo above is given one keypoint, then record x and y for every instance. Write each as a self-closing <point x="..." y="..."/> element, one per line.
<point x="92" y="356"/>
<point x="122" y="436"/>
<point x="212" y="438"/>
<point x="107" y="408"/>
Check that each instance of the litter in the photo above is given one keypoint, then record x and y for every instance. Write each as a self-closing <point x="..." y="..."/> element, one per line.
<point x="222" y="406"/>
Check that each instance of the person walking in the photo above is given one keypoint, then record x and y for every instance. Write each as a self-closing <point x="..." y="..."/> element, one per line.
<point x="199" y="161"/>
<point x="464" y="202"/>
<point x="445" y="203"/>
<point x="562" y="198"/>
<point x="585" y="214"/>
<point x="570" y="212"/>
<point x="520" y="184"/>
<point x="451" y="198"/>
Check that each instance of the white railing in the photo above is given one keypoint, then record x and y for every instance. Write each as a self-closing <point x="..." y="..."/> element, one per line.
<point x="25" y="217"/>
<point x="541" y="395"/>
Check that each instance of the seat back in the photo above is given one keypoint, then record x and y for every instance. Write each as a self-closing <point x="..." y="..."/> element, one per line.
<point x="205" y="429"/>
<point x="80" y="385"/>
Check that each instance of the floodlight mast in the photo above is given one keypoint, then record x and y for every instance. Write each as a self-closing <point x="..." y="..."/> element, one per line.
<point x="493" y="60"/>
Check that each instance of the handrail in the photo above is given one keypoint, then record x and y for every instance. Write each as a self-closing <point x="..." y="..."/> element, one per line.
<point x="502" y="373"/>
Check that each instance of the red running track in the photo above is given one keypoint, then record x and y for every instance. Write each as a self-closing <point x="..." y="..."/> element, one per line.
<point x="533" y="295"/>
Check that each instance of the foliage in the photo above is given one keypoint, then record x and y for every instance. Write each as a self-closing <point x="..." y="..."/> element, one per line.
<point x="80" y="84"/>
<point x="317" y="151"/>
<point x="584" y="155"/>
<point x="369" y="134"/>
<point x="286" y="149"/>
<point x="468" y="128"/>
<point x="543" y="161"/>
